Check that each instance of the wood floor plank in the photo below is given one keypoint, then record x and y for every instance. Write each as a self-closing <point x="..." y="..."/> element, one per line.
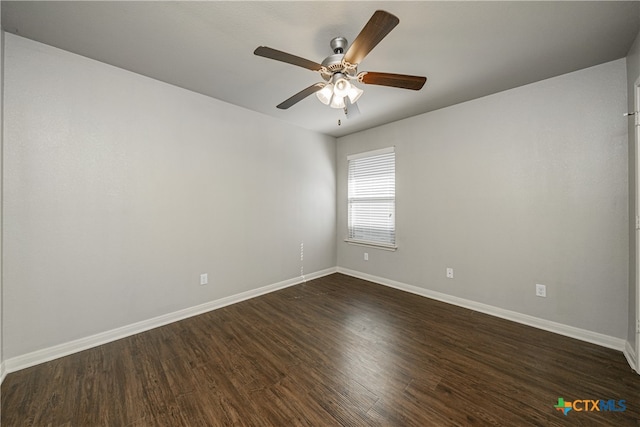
<point x="335" y="351"/>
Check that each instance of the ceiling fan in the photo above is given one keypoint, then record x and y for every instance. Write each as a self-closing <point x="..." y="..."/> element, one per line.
<point x="340" y="70"/>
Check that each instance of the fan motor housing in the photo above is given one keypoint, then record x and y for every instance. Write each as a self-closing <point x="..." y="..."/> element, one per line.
<point x="333" y="63"/>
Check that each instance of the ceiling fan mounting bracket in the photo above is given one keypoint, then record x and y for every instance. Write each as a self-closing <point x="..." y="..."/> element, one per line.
<point x="338" y="44"/>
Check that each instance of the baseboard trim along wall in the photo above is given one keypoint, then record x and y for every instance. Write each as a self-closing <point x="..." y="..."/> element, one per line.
<point x="547" y="325"/>
<point x="3" y="372"/>
<point x="40" y="356"/>
<point x="631" y="356"/>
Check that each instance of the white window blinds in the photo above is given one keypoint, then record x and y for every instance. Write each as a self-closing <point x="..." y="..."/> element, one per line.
<point x="372" y="197"/>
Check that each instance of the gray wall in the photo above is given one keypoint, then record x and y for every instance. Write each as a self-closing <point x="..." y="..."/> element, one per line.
<point x="633" y="73"/>
<point x="121" y="190"/>
<point x="522" y="187"/>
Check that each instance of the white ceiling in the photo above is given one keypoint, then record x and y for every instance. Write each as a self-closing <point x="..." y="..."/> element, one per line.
<point x="466" y="49"/>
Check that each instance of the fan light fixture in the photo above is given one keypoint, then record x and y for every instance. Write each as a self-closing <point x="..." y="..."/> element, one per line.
<point x="334" y="92"/>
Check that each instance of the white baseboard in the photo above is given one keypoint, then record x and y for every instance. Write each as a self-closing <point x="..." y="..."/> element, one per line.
<point x="65" y="349"/>
<point x="3" y="372"/>
<point x="547" y="325"/>
<point x="631" y="356"/>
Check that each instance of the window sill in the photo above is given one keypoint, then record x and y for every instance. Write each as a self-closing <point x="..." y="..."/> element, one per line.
<point x="372" y="245"/>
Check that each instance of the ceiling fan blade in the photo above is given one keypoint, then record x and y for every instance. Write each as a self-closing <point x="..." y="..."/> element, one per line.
<point x="394" y="80"/>
<point x="300" y="96"/>
<point x="278" y="55"/>
<point x="380" y="24"/>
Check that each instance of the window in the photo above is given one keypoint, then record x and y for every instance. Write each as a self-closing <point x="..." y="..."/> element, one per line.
<point x="371" y="196"/>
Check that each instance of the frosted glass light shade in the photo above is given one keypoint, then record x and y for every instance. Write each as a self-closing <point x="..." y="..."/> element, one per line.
<point x="341" y="87"/>
<point x="324" y="94"/>
<point x="337" y="101"/>
<point x="354" y="93"/>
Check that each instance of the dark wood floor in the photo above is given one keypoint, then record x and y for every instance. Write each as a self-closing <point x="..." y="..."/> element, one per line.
<point x="333" y="351"/>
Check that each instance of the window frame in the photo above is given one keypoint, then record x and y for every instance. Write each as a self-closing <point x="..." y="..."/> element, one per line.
<point x="377" y="244"/>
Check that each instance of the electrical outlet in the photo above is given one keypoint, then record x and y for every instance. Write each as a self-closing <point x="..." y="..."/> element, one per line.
<point x="449" y="273"/>
<point x="541" y="290"/>
<point x="204" y="279"/>
<point x="366" y="256"/>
